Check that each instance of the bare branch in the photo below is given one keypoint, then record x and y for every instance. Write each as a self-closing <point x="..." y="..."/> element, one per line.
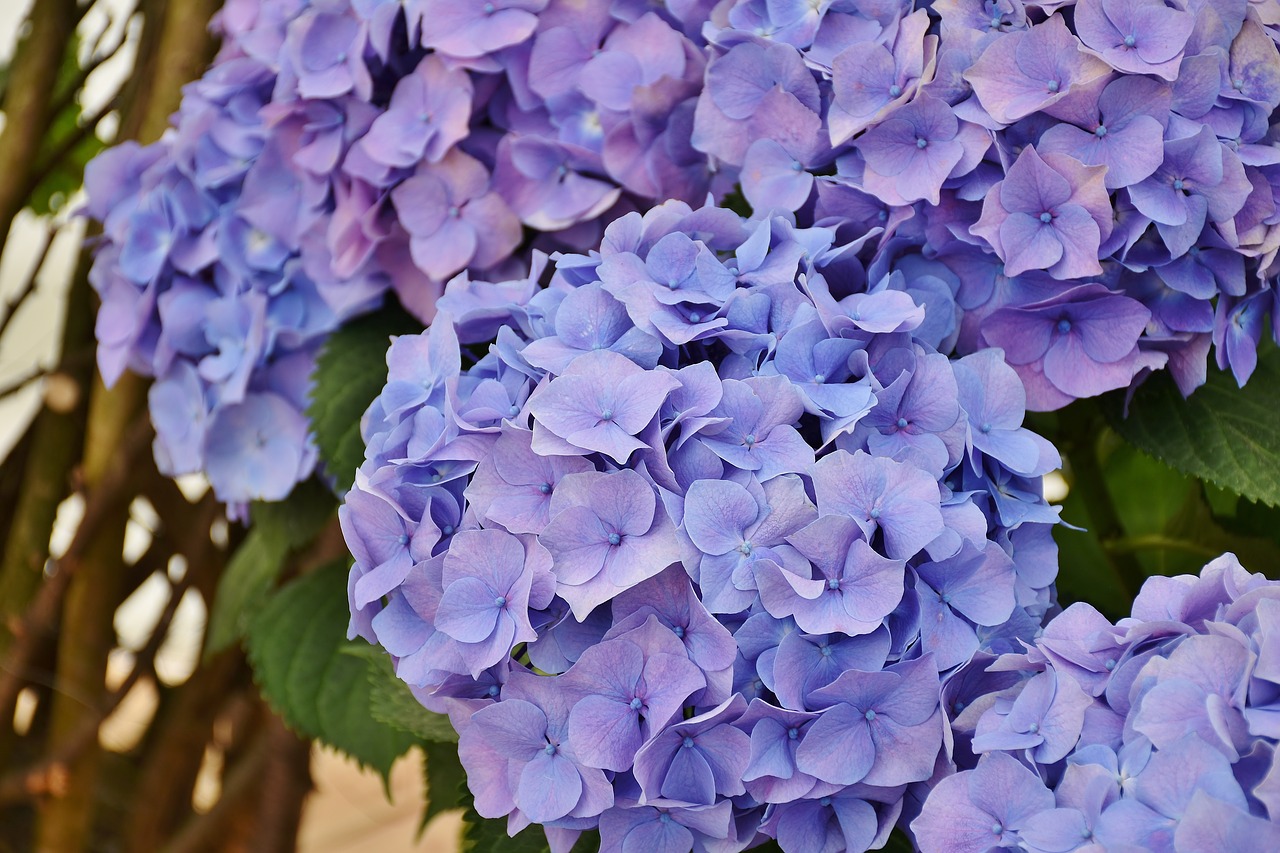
<point x="29" y="286"/>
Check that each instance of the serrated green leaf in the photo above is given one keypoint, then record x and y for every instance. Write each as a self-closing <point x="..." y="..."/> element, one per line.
<point x="445" y="780"/>
<point x="350" y="372"/>
<point x="242" y="590"/>
<point x="393" y="703"/>
<point x="296" y="645"/>
<point x="278" y="528"/>
<point x="481" y="835"/>
<point x="1223" y="434"/>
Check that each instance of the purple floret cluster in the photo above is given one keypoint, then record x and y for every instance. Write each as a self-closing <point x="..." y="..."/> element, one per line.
<point x="1095" y="181"/>
<point x="683" y="541"/>
<point x="339" y="149"/>
<point x="1157" y="733"/>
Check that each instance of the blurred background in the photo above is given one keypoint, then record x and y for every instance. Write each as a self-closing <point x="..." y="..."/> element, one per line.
<point x="117" y="731"/>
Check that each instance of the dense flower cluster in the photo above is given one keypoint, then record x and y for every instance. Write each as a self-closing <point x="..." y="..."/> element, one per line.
<point x="340" y="148"/>
<point x="1095" y="181"/>
<point x="1156" y="733"/>
<point x="683" y="551"/>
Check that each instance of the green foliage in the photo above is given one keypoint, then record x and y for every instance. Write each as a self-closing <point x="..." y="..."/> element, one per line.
<point x="65" y="176"/>
<point x="446" y="780"/>
<point x="480" y="835"/>
<point x="279" y="529"/>
<point x="301" y="661"/>
<point x="350" y="373"/>
<point x="393" y="703"/>
<point x="1225" y="435"/>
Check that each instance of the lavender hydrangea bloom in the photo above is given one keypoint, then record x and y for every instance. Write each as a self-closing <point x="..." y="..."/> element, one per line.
<point x="739" y="529"/>
<point x="1138" y="735"/>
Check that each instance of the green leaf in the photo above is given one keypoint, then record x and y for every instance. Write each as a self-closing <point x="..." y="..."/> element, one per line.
<point x="481" y="835"/>
<point x="350" y="373"/>
<point x="393" y="703"/>
<point x="445" y="780"/>
<point x="297" y="645"/>
<point x="1223" y="434"/>
<point x="279" y="528"/>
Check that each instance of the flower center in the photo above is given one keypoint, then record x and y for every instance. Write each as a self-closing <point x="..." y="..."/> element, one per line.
<point x="870" y="715"/>
<point x="1130" y="41"/>
<point x="1046" y="217"/>
<point x="678" y="631"/>
<point x="997" y="828"/>
<point x="824" y="802"/>
<point x="637" y="704"/>
<point x="1100" y="130"/>
<point x="447" y="530"/>
<point x="1111" y="664"/>
<point x="793" y="733"/>
<point x="1177" y="183"/>
<point x="819" y="378"/>
<point x="500" y="601"/>
<point x="745" y="549"/>
<point x="606" y="415"/>
<point x="1033" y="728"/>
<point x="902" y="423"/>
<point x="545" y="488"/>
<point x="403" y="539"/>
<point x="687" y="743"/>
<point x="550" y="749"/>
<point x="749" y="440"/>
<point x="895" y="90"/>
<point x="615" y="539"/>
<point x="875" y="513"/>
<point x="922" y="143"/>
<point x="985" y="428"/>
<point x="833" y="583"/>
<point x="1064" y="326"/>
<point x="1053" y="85"/>
<point x="825" y="650"/>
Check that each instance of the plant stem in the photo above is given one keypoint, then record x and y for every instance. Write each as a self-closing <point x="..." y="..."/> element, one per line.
<point x="1082" y="425"/>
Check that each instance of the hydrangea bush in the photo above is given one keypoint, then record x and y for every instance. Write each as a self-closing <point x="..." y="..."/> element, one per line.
<point x="704" y="508"/>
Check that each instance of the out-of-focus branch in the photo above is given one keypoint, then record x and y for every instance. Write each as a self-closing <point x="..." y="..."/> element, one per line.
<point x="67" y="146"/>
<point x="205" y="832"/>
<point x="49" y="777"/>
<point x="28" y="98"/>
<point x="14" y="303"/>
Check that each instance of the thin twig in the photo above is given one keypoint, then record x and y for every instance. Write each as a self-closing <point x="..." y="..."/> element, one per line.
<point x="14" y="303"/>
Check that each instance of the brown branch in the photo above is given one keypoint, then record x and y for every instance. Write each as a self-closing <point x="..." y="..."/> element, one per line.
<point x="14" y="303"/>
<point x="204" y="832"/>
<point x="27" y="98"/>
<point x="66" y="147"/>
<point x="97" y="58"/>
<point x="41" y="617"/>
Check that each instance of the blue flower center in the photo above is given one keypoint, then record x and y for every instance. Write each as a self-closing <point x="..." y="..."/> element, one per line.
<point x="1237" y="84"/>
<point x="1064" y="326"/>
<point x="819" y="378"/>
<point x="678" y="631"/>
<point x="958" y="706"/>
<point x="549" y="749"/>
<point x="1111" y="664"/>
<point x="997" y="828"/>
<point x="985" y="428"/>
<point x="1130" y="41"/>
<point x="493" y="690"/>
<point x="824" y="650"/>
<point x="1100" y="130"/>
<point x="1046" y="217"/>
<point x="500" y="601"/>
<point x="902" y="423"/>
<point x="833" y="583"/>
<point x="545" y="488"/>
<point x="745" y="549"/>
<point x="1177" y="183"/>
<point x="793" y="733"/>
<point x="1053" y="85"/>
<point x="824" y="802"/>
<point x="664" y="818"/>
<point x="875" y="513"/>
<point x="695" y="317"/>
<point x="454" y="212"/>
<point x="488" y="9"/>
<point x="995" y="23"/>
<point x="606" y="415"/>
<point x="1033" y="728"/>
<point x="749" y="440"/>
<point x="797" y="167"/>
<point x="615" y="539"/>
<point x="447" y="530"/>
<point x="687" y="743"/>
<point x="946" y="598"/>
<point x="403" y="539"/>
<point x="895" y="90"/>
<point x="882" y="215"/>
<point x="922" y="143"/>
<point x="870" y="715"/>
<point x="637" y="703"/>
